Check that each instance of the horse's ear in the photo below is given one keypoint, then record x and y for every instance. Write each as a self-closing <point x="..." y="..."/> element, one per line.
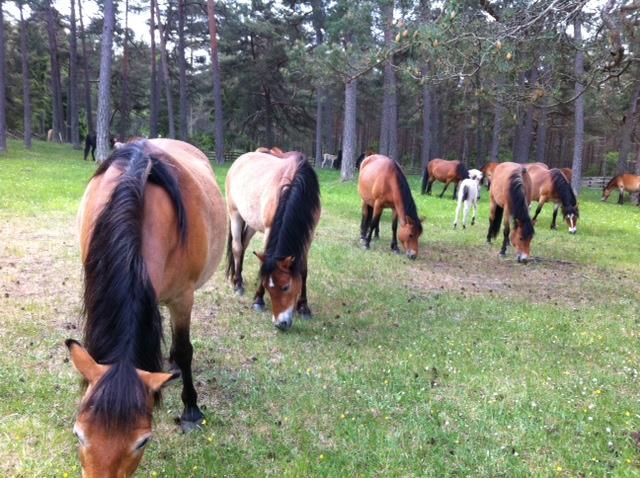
<point x="262" y="257"/>
<point x="287" y="262"/>
<point x="156" y="381"/>
<point x="84" y="363"/>
<point x="408" y="220"/>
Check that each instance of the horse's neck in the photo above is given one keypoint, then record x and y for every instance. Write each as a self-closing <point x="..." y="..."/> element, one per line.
<point x="398" y="202"/>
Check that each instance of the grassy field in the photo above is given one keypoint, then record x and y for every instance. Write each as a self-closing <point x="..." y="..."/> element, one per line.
<point x="457" y="364"/>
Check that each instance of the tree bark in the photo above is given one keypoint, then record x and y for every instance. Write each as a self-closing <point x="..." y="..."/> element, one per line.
<point x="26" y="85"/>
<point x="217" y="84"/>
<point x="425" y="155"/>
<point x="56" y="85"/>
<point x="104" y="94"/>
<point x="154" y="99"/>
<point x="389" y="124"/>
<point x="73" y="79"/>
<point x="628" y="126"/>
<point x="85" y="68"/>
<point x="319" y="120"/>
<point x="498" y="115"/>
<point x="182" y="65"/>
<point x="268" y="118"/>
<point x="541" y="134"/>
<point x="165" y="72"/>
<point x="330" y="124"/>
<point x="123" y="130"/>
<point x="349" y="131"/>
<point x="3" y="80"/>
<point x="578" y="138"/>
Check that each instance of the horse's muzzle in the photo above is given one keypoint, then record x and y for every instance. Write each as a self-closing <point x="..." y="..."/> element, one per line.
<point x="284" y="320"/>
<point x="522" y="258"/>
<point x="412" y="254"/>
<point x="573" y="230"/>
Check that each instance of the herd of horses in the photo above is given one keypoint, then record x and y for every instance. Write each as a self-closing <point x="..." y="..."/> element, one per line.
<point x="153" y="226"/>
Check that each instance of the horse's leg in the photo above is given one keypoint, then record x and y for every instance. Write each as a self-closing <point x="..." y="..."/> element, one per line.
<point x="455" y="221"/>
<point x="258" y="299"/>
<point x="467" y="206"/>
<point x="181" y="355"/>
<point x="375" y="221"/>
<point x="367" y="212"/>
<point x="446" y="185"/>
<point x="475" y="211"/>
<point x="555" y="216"/>
<point x="93" y="151"/>
<point x="237" y="249"/>
<point x="455" y="189"/>
<point x="621" y="196"/>
<point x="492" y="215"/>
<point x="507" y="230"/>
<point x="87" y="146"/>
<point x="302" y="306"/>
<point x="541" y="202"/>
<point x="394" y="232"/>
<point x="430" y="184"/>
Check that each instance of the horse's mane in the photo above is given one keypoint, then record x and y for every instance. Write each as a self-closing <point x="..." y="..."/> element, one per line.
<point x="613" y="179"/>
<point x="565" y="191"/>
<point x="294" y="220"/>
<point x="518" y="203"/>
<point x="461" y="170"/>
<point x="407" y="199"/>
<point x="123" y="326"/>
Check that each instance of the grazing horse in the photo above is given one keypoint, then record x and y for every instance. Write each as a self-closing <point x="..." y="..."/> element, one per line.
<point x="469" y="194"/>
<point x="283" y="201"/>
<point x="444" y="171"/>
<point x="568" y="173"/>
<point x="152" y="226"/>
<point x="382" y="184"/>
<point x="552" y="185"/>
<point x="91" y="142"/>
<point x="487" y="172"/>
<point x="622" y="182"/>
<point x="330" y="158"/>
<point x="510" y="195"/>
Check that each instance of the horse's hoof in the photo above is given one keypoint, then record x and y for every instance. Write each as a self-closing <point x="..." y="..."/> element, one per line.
<point x="239" y="290"/>
<point x="258" y="307"/>
<point x="188" y="427"/>
<point x="305" y="314"/>
<point x="365" y="247"/>
<point x="464" y="226"/>
<point x="455" y="225"/>
<point x="395" y="250"/>
<point x="503" y="254"/>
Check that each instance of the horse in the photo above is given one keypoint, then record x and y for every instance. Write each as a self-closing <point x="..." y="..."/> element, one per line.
<point x="622" y="182"/>
<point x="382" y="184"/>
<point x="510" y="196"/>
<point x="283" y="201"/>
<point x="363" y="155"/>
<point x="152" y="224"/>
<point x="445" y="171"/>
<point x="91" y="142"/>
<point x="469" y="194"/>
<point x="487" y="172"/>
<point x="568" y="173"/>
<point x="275" y="151"/>
<point x="330" y="158"/>
<point x="553" y="185"/>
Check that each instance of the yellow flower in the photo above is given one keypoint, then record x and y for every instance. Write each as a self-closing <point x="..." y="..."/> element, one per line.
<point x="558" y="468"/>
<point x="342" y="416"/>
<point x="321" y="456"/>
<point x="204" y="421"/>
<point x="627" y="414"/>
<point x="65" y="475"/>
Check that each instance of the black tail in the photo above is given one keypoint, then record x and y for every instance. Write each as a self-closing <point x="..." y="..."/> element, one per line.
<point x="494" y="225"/>
<point x="465" y="192"/>
<point x="231" y="266"/>
<point x="565" y="191"/>
<point x="461" y="171"/>
<point x="123" y="325"/>
<point x="425" y="179"/>
<point x="518" y="203"/>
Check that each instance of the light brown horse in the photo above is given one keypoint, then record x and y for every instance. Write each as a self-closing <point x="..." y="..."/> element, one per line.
<point x="568" y="173"/>
<point x="382" y="184"/>
<point x="152" y="226"/>
<point x="552" y="185"/>
<point x="623" y="183"/>
<point x="445" y="171"/>
<point x="487" y="172"/>
<point x="510" y="196"/>
<point x="281" y="199"/>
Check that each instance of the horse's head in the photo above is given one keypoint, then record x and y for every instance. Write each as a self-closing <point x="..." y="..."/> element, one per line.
<point x="571" y="215"/>
<point x="408" y="235"/>
<point x="110" y="450"/>
<point x="476" y="175"/>
<point x="521" y="239"/>
<point x="283" y="282"/>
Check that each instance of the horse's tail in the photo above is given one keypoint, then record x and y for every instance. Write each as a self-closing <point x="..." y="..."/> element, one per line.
<point x="231" y="266"/>
<point x="425" y="179"/>
<point x="519" y="204"/>
<point x="462" y="171"/>
<point x="494" y="224"/>
<point x="563" y="188"/>
<point x="123" y="325"/>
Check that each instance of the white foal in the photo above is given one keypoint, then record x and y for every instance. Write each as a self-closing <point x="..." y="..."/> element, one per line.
<point x="469" y="193"/>
<point x="328" y="157"/>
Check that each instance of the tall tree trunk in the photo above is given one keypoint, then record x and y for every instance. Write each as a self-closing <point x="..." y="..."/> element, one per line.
<point x="154" y="99"/>
<point x="104" y="94"/>
<point x="436" y="124"/>
<point x="123" y="130"/>
<point x="3" y="80"/>
<point x="73" y="79"/>
<point x="26" y="86"/>
<point x="85" y="68"/>
<point x="525" y="138"/>
<point x="319" y="121"/>
<point x="165" y="72"/>
<point x="268" y="118"/>
<point x="496" y="136"/>
<point x="578" y="138"/>
<point x="425" y="155"/>
<point x="389" y="123"/>
<point x="330" y="124"/>
<point x="349" y="130"/>
<point x="182" y="65"/>
<point x="628" y="126"/>
<point x="541" y="134"/>
<point x="56" y="85"/>
<point x="217" y="84"/>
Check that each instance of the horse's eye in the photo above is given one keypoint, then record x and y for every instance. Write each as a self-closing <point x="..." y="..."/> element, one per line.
<point x="285" y="288"/>
<point x="142" y="443"/>
<point x="79" y="436"/>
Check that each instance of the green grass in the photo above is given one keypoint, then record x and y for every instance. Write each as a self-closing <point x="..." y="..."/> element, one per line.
<point x="458" y="364"/>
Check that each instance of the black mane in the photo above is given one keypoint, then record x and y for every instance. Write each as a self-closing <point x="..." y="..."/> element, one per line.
<point x="294" y="220"/>
<point x="407" y="199"/>
<point x="518" y="203"/>
<point x="565" y="191"/>
<point x="123" y="326"/>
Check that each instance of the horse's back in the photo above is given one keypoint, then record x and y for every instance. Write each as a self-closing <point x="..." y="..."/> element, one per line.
<point x="375" y="175"/>
<point x="500" y="181"/>
<point x="540" y="178"/>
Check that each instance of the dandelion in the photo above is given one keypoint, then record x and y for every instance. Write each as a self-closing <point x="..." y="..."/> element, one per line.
<point x="204" y="422"/>
<point x="597" y="391"/>
<point x="65" y="475"/>
<point x="210" y="439"/>
<point x="321" y="456"/>
<point x="558" y="468"/>
<point x="343" y="416"/>
<point x="627" y="413"/>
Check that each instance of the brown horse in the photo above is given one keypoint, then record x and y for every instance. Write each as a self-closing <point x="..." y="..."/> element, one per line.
<point x="152" y="226"/>
<point x="622" y="182"/>
<point x="281" y="199"/>
<point x="445" y="171"/>
<point x="510" y="196"/>
<point x="382" y="184"/>
<point x="568" y="173"/>
<point x="487" y="172"/>
<point x="552" y="185"/>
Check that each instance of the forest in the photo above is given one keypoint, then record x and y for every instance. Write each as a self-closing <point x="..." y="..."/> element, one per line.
<point x="555" y="81"/>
